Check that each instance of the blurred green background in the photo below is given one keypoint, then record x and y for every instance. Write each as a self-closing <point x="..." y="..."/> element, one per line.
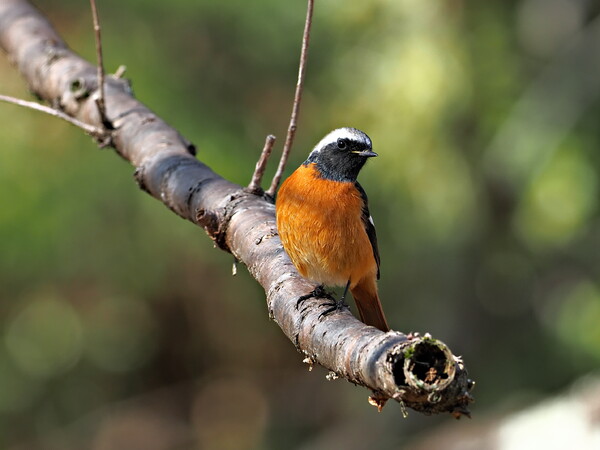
<point x="121" y="326"/>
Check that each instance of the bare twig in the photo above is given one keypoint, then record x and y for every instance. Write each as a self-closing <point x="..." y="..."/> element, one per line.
<point x="90" y="129"/>
<point x="119" y="72"/>
<point x="100" y="69"/>
<point x="261" y="165"/>
<point x="289" y="139"/>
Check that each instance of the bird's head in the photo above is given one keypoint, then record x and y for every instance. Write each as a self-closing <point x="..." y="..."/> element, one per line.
<point x="341" y="154"/>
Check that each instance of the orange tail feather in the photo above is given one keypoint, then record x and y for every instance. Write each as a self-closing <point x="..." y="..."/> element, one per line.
<point x="368" y="304"/>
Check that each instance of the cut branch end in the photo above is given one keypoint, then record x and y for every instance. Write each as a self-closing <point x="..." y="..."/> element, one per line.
<point x="429" y="377"/>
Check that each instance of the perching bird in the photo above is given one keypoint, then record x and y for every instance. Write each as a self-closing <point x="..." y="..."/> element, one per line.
<point x="324" y="222"/>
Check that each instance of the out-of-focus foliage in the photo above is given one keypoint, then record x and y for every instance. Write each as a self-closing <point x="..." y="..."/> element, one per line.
<point x="121" y="326"/>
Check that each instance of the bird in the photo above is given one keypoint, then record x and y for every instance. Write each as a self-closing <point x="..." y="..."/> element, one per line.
<point x="325" y="226"/>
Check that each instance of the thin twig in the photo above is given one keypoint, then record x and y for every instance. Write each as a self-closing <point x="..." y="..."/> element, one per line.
<point x="289" y="139"/>
<point x="261" y="165"/>
<point x="120" y="72"/>
<point x="90" y="129"/>
<point x="97" y="34"/>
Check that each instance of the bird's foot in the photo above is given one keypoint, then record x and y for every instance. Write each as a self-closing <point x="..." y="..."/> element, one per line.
<point x="333" y="306"/>
<point x="318" y="292"/>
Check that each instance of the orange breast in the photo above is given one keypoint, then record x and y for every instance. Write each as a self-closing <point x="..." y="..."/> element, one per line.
<point x="320" y="225"/>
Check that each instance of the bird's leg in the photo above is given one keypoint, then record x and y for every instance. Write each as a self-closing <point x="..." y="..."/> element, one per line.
<point x="318" y="292"/>
<point x="337" y="305"/>
<point x="342" y="303"/>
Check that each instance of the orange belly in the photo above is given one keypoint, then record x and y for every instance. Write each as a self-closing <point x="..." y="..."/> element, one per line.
<point x="321" y="227"/>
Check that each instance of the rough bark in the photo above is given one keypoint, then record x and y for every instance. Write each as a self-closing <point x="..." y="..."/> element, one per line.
<point x="418" y="371"/>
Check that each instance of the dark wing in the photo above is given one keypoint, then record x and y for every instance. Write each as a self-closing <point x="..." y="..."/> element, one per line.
<point x="369" y="225"/>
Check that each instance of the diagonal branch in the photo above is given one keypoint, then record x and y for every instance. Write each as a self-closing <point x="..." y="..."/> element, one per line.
<point x="418" y="371"/>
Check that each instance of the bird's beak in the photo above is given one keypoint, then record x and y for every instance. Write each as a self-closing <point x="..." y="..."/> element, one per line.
<point x="366" y="153"/>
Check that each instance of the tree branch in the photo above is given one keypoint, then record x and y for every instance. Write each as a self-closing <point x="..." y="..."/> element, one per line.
<point x="420" y="372"/>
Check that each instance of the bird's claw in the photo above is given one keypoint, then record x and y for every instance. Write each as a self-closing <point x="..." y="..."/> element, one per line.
<point x="318" y="292"/>
<point x="335" y="305"/>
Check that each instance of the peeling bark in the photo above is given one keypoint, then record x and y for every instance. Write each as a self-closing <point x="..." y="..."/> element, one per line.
<point x="418" y="371"/>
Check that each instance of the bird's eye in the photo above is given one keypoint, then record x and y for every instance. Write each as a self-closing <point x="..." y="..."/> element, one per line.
<point x="341" y="143"/>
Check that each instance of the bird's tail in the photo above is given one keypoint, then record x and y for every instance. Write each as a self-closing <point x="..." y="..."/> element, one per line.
<point x="368" y="304"/>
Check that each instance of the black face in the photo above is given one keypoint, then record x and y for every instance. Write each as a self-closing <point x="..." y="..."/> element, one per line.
<point x="341" y="154"/>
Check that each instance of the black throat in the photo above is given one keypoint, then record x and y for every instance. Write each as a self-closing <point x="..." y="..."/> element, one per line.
<point x="337" y="166"/>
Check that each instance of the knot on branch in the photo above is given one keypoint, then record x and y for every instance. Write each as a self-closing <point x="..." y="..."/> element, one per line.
<point x="217" y="223"/>
<point x="73" y="100"/>
<point x="233" y="206"/>
<point x="209" y="220"/>
<point x="260" y="193"/>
